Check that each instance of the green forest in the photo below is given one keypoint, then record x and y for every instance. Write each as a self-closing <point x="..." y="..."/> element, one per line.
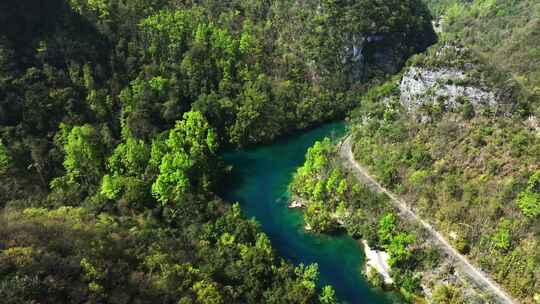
<point x="113" y="118"/>
<point x="334" y="202"/>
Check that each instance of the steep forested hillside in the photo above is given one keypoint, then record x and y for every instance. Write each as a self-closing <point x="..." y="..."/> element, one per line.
<point x="504" y="33"/>
<point x="70" y="255"/>
<point x="456" y="135"/>
<point x="132" y="70"/>
<point x="112" y="118"/>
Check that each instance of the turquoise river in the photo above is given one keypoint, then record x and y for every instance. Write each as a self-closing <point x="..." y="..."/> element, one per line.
<point x="259" y="183"/>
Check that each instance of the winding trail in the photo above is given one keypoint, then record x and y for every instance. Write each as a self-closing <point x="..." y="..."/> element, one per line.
<point x="480" y="278"/>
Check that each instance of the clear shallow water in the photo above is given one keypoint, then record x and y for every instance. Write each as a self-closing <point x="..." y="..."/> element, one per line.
<point x="259" y="183"/>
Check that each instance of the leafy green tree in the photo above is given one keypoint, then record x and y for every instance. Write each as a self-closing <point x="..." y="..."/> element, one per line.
<point x="342" y="188"/>
<point x="319" y="192"/>
<point x="394" y="242"/>
<point x="529" y="200"/>
<point x="387" y="228"/>
<point x="111" y="186"/>
<point x="328" y="295"/>
<point x="409" y="283"/>
<point x="317" y="156"/>
<point x="258" y="117"/>
<point x="208" y="63"/>
<point x="5" y="160"/>
<point x="374" y="277"/>
<point x="207" y="293"/>
<point x="398" y="249"/>
<point x="467" y="110"/>
<point x="189" y="162"/>
<point x="129" y="158"/>
<point x="127" y="181"/>
<point x="418" y="178"/>
<point x="165" y="35"/>
<point x="447" y="294"/>
<point x="83" y="160"/>
<point x="304" y="288"/>
<point x="319" y="217"/>
<point x="501" y="238"/>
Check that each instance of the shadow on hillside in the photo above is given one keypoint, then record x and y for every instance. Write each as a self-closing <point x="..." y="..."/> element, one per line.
<point x="25" y="23"/>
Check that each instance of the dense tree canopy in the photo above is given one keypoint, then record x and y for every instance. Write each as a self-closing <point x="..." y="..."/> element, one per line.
<point x="188" y="161"/>
<point x="112" y="117"/>
<point x="68" y="255"/>
<point x="332" y="201"/>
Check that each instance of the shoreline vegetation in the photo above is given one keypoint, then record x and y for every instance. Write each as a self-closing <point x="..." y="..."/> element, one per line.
<point x="376" y="260"/>
<point x="398" y="250"/>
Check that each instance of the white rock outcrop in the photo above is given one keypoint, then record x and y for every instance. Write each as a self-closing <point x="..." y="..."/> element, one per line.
<point x="295" y="204"/>
<point x="420" y="86"/>
<point x="378" y="260"/>
<point x="533" y="123"/>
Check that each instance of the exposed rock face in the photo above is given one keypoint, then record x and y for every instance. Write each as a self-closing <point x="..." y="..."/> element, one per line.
<point x="368" y="54"/>
<point x="372" y="54"/>
<point x="353" y="57"/>
<point x="421" y="86"/>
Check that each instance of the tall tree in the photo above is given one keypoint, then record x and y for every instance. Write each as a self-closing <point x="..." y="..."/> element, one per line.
<point x="188" y="161"/>
<point x="4" y="159"/>
<point x="83" y="160"/>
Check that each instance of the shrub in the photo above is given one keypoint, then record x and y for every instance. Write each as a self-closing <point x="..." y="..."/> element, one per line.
<point x="467" y="110"/>
<point x="529" y="203"/>
<point x="418" y="178"/>
<point x="501" y="238"/>
<point x="529" y="200"/>
<point x="4" y="159"/>
<point x="447" y="294"/>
